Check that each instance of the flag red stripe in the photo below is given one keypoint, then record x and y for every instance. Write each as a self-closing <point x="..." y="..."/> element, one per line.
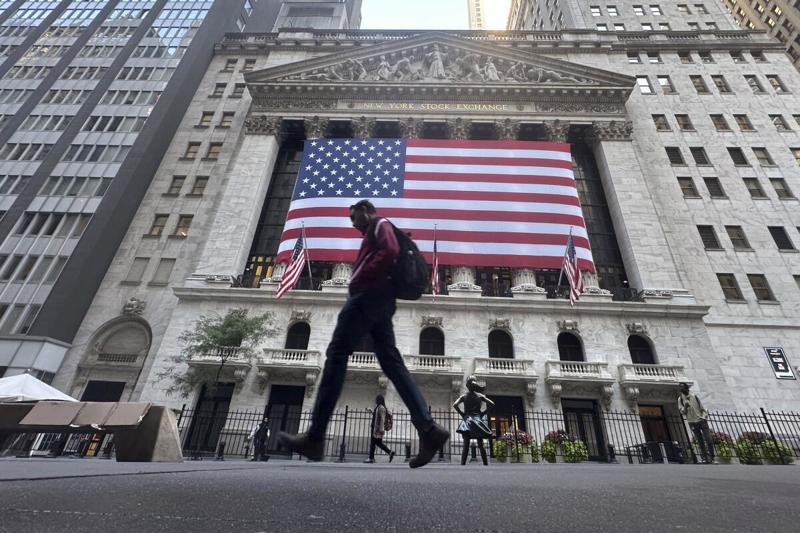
<point x="446" y="235"/>
<point x="494" y="196"/>
<point x="505" y="161"/>
<point x="499" y="145"/>
<point x="490" y="178"/>
<point x="444" y="214"/>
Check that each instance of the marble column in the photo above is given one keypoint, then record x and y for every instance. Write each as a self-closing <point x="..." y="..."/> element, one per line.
<point x="507" y="129"/>
<point x="340" y="278"/>
<point x="459" y="128"/>
<point x="463" y="282"/>
<point x="316" y="127"/>
<point x="556" y="130"/>
<point x="238" y="206"/>
<point x="640" y="234"/>
<point x="524" y="285"/>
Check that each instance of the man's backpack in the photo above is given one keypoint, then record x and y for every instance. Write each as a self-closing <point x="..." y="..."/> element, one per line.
<point x="388" y="422"/>
<point x="410" y="274"/>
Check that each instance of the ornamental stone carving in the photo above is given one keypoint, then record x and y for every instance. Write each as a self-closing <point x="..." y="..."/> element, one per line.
<point x="525" y="283"/>
<point x="636" y="328"/>
<point x="363" y="127"/>
<point x="459" y="128"/>
<point x="435" y="321"/>
<point x="411" y="128"/>
<point x="556" y="130"/>
<point x="568" y="325"/>
<point x="264" y="125"/>
<point x="607" y="395"/>
<point x="500" y="323"/>
<point x="340" y="276"/>
<point x="555" y="393"/>
<point x="612" y="130"/>
<point x="311" y="382"/>
<point x="316" y="127"/>
<point x="133" y="306"/>
<point x="580" y="108"/>
<point x="293" y="103"/>
<point x="507" y="129"/>
<point x="300" y="315"/>
<point x="530" y="390"/>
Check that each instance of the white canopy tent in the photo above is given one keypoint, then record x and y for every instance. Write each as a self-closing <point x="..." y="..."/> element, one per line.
<point x="26" y="388"/>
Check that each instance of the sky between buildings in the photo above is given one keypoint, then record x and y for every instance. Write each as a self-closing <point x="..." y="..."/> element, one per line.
<point x="428" y="14"/>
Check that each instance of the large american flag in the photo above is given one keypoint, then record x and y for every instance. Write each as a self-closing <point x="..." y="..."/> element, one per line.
<point x="495" y="203"/>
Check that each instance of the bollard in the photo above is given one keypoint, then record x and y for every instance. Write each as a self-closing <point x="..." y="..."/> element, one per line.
<point x="474" y="456"/>
<point x="342" y="451"/>
<point x="441" y="454"/>
<point x="612" y="456"/>
<point x="408" y="452"/>
<point x="220" y="452"/>
<point x="630" y="456"/>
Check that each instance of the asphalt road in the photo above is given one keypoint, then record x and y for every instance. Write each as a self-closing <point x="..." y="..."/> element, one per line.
<point x="41" y="495"/>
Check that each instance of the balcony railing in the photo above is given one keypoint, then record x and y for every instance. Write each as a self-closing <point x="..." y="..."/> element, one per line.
<point x="654" y="374"/>
<point x="493" y="366"/>
<point x="290" y="358"/>
<point x="117" y="358"/>
<point x="434" y="364"/>
<point x="364" y="360"/>
<point x="578" y="371"/>
<point x="227" y="354"/>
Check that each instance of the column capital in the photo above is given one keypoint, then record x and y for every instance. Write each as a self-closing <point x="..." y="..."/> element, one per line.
<point x="612" y="130"/>
<point x="556" y="130"/>
<point x="507" y="129"/>
<point x="363" y="127"/>
<point x="459" y="128"/>
<point x="316" y="127"/>
<point x="411" y="127"/>
<point x="264" y="125"/>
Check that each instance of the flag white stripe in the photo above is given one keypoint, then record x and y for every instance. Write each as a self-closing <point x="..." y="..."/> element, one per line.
<point x="506" y="153"/>
<point x="478" y="226"/>
<point x="506" y="170"/>
<point x="526" y="188"/>
<point x="460" y="205"/>
<point x="478" y="248"/>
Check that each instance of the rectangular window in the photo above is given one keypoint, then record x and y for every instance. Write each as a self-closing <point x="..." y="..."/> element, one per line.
<point x="779" y="122"/>
<point x="191" y="150"/>
<point x="176" y="185"/>
<point x="219" y="90"/>
<point x="619" y="27"/>
<point x="758" y="56"/>
<point x="781" y="237"/>
<point x="764" y="159"/>
<point x="10" y="266"/>
<point x="738" y="238"/>
<point x="182" y="229"/>
<point x="666" y="85"/>
<point x="664" y="26"/>
<point x="644" y="85"/>
<point x="684" y="122"/>
<point x="699" y="84"/>
<point x="684" y="9"/>
<point x="730" y="288"/>
<point x="674" y="155"/>
<point x="711" y="26"/>
<point x="709" y="237"/>
<point x="699" y="155"/>
<point x="693" y="26"/>
<point x="226" y="120"/>
<point x="714" y="188"/>
<point x="776" y="83"/>
<point x="720" y="123"/>
<point x="722" y="85"/>
<point x="754" y="84"/>
<point x="633" y="57"/>
<point x="796" y="154"/>
<point x="612" y="11"/>
<point x="685" y="57"/>
<point x="27" y="266"/>
<point x="783" y="191"/>
<point x="737" y="57"/>
<point x="706" y="57"/>
<point x="602" y="27"/>
<point x="646" y="26"/>
<point x="136" y="272"/>
<point x="230" y="64"/>
<point x="737" y="156"/>
<point x="157" y="229"/>
<point x="754" y="188"/>
<point x="249" y="64"/>
<point x="744" y="123"/>
<point x="655" y="10"/>
<point x="199" y="187"/>
<point x="205" y="119"/>
<point x="163" y="272"/>
<point x="638" y="10"/>
<point x="701" y="9"/>
<point x="41" y="269"/>
<point x="238" y="90"/>
<point x="688" y="189"/>
<point x="654" y="57"/>
<point x="796" y="280"/>
<point x="595" y="11"/>
<point x="213" y="151"/>
<point x="760" y="287"/>
<point x="796" y="119"/>
<point x="661" y="122"/>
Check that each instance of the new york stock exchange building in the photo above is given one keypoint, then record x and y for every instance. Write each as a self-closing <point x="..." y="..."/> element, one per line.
<point x="689" y="284"/>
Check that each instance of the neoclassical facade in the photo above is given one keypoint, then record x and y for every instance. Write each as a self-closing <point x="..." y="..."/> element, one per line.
<point x="655" y="315"/>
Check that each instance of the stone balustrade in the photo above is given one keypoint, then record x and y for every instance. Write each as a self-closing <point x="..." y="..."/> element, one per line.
<point x="578" y="370"/>
<point x="289" y="358"/>
<point x="653" y="374"/>
<point x="493" y="366"/>
<point x="228" y="354"/>
<point x="434" y="364"/>
<point x="363" y="361"/>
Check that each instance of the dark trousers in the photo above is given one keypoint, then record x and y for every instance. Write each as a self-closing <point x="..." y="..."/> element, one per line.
<point x="702" y="435"/>
<point x="465" y="450"/>
<point x="368" y="312"/>
<point x="379" y="444"/>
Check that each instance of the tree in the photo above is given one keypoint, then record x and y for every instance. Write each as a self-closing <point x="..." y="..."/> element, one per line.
<point x="217" y="339"/>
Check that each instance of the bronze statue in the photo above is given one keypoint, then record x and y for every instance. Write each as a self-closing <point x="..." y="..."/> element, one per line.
<point x="472" y="425"/>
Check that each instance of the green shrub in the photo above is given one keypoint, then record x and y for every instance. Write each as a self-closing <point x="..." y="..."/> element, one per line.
<point x="575" y="451"/>
<point x="548" y="451"/>
<point x="777" y="452"/>
<point x="747" y="452"/>
<point x="499" y="451"/>
<point x="724" y="451"/>
<point x="534" y="452"/>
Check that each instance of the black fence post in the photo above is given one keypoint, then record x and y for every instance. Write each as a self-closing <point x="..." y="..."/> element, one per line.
<point x="771" y="434"/>
<point x="343" y="444"/>
<point x="516" y="443"/>
<point x="688" y="439"/>
<point x="408" y="451"/>
<point x="220" y="451"/>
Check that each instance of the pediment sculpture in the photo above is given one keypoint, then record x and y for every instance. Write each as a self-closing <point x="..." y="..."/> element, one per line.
<point x="435" y="63"/>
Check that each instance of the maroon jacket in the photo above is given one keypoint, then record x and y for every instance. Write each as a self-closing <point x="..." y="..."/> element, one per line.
<point x="377" y="255"/>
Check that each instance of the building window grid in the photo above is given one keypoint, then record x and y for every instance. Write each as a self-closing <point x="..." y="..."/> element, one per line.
<point x="709" y="237"/>
<point x="781" y="188"/>
<point x="761" y="288"/>
<point x="183" y="225"/>
<point x="720" y="123"/>
<point x="738" y="238"/>
<point x="781" y="238"/>
<point x="684" y="122"/>
<point x="754" y="188"/>
<point x="714" y="187"/>
<point x="729" y="286"/>
<point x="763" y="157"/>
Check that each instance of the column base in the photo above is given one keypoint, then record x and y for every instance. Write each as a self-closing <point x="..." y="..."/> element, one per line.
<point x="465" y="289"/>
<point x="528" y="291"/>
<point x="339" y="285"/>
<point x="596" y="294"/>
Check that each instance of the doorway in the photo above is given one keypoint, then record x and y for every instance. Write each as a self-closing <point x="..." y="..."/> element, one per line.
<point x="502" y="415"/>
<point x="95" y="391"/>
<point x="283" y="409"/>
<point x="656" y="431"/>
<point x="582" y="421"/>
<point x="209" y="418"/>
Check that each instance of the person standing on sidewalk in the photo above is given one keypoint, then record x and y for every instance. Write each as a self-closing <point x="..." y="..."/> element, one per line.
<point x="368" y="310"/>
<point x="697" y="417"/>
<point x="378" y="430"/>
<point x="259" y="436"/>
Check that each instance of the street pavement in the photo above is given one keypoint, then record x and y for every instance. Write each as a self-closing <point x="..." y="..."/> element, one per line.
<point x="77" y="495"/>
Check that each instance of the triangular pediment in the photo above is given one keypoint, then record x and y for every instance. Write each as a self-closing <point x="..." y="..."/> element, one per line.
<point x="438" y="58"/>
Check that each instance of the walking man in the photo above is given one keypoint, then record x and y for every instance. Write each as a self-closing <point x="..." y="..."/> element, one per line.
<point x="259" y="436"/>
<point x="368" y="310"/>
<point x="697" y="417"/>
<point x="378" y="430"/>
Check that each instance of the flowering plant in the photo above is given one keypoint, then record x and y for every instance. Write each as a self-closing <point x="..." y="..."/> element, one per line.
<point x="520" y="437"/>
<point x="721" y="438"/>
<point x="756" y="437"/>
<point x="558" y="436"/>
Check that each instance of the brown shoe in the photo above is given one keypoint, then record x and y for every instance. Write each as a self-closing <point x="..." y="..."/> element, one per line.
<point x="312" y="449"/>
<point x="429" y="443"/>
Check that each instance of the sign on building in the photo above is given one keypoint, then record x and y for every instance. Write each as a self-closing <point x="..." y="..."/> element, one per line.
<point x="780" y="365"/>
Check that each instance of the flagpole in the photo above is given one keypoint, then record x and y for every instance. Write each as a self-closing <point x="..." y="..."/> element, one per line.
<point x="308" y="255"/>
<point x="435" y="277"/>
<point x="566" y="251"/>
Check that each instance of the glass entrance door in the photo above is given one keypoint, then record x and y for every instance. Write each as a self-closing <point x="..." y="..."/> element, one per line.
<point x="582" y="421"/>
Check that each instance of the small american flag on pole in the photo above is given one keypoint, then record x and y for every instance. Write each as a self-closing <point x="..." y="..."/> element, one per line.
<point x="570" y="268"/>
<point x="295" y="268"/>
<point x="435" y="269"/>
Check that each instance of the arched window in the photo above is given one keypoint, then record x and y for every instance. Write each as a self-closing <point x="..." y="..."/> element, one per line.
<point x="569" y="347"/>
<point x="431" y="342"/>
<point x="641" y="351"/>
<point x="297" y="337"/>
<point x="500" y="344"/>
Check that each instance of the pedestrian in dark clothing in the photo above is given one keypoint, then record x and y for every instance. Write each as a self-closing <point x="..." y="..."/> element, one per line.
<point x="368" y="310"/>
<point x="378" y="430"/>
<point x="697" y="417"/>
<point x="472" y="425"/>
<point x="259" y="436"/>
